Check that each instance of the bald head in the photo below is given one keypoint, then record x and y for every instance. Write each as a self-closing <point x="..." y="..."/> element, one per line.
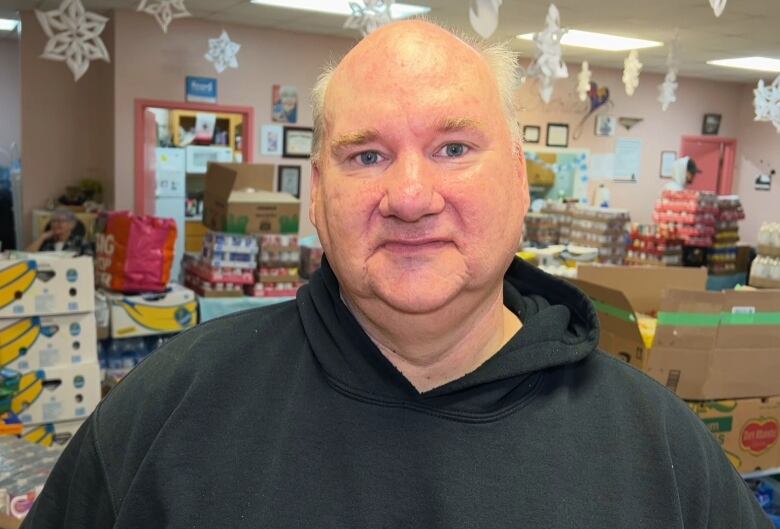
<point x="404" y="57"/>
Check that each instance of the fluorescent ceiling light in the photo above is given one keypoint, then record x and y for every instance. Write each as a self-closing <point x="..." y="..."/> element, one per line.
<point x="7" y="24"/>
<point x="761" y="64"/>
<point x="600" y="41"/>
<point x="341" y="7"/>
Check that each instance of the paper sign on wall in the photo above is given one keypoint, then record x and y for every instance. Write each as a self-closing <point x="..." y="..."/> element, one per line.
<point x="271" y="140"/>
<point x="201" y="89"/>
<point x="628" y="160"/>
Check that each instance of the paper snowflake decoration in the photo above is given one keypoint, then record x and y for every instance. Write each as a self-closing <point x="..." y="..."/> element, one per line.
<point x="631" y="69"/>
<point x="767" y="102"/>
<point x="74" y="36"/>
<point x="668" y="89"/>
<point x="483" y="15"/>
<point x="164" y="11"/>
<point x="222" y="52"/>
<point x="548" y="65"/>
<point x="370" y="16"/>
<point x="583" y="81"/>
<point x="718" y="6"/>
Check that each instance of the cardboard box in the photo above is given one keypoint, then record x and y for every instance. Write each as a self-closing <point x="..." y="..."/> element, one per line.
<point x="40" y="342"/>
<point x="239" y="198"/>
<point x="37" y="284"/>
<point x="57" y="434"/>
<point x="747" y="429"/>
<point x="148" y="314"/>
<point x="56" y="394"/>
<point x="708" y="345"/>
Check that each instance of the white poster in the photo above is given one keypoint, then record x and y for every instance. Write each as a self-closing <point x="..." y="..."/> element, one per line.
<point x="271" y="140"/>
<point x="628" y="160"/>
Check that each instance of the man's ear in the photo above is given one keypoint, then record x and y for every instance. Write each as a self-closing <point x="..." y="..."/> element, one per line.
<point x="315" y="184"/>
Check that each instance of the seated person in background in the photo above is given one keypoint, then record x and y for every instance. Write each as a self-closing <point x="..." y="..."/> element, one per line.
<point x="64" y="232"/>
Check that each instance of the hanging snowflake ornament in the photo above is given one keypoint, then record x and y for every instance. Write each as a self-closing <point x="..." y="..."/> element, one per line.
<point x="668" y="89"/>
<point x="631" y="69"/>
<point x="370" y="16"/>
<point x="74" y="36"/>
<point x="222" y="52"/>
<point x="548" y="66"/>
<point x="718" y="6"/>
<point x="583" y="81"/>
<point x="164" y="11"/>
<point x="767" y="102"/>
<point x="483" y="15"/>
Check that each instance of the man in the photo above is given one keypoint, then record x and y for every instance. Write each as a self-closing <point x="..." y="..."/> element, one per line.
<point x="412" y="383"/>
<point x="684" y="170"/>
<point x="63" y="233"/>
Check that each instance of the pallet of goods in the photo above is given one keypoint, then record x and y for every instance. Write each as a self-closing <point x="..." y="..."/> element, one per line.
<point x="688" y="215"/>
<point x="653" y="246"/>
<point x="604" y="229"/>
<point x="226" y="265"/>
<point x="277" y="270"/>
<point x="722" y="256"/>
<point x="541" y="229"/>
<point x="765" y="271"/>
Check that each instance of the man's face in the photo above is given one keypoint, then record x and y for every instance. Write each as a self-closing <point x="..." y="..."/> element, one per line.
<point x="62" y="228"/>
<point x="417" y="196"/>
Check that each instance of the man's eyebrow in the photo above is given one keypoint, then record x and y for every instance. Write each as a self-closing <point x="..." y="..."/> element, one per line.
<point x="351" y="139"/>
<point x="457" y="124"/>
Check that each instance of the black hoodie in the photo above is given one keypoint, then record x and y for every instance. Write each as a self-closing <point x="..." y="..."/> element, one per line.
<point x="289" y="417"/>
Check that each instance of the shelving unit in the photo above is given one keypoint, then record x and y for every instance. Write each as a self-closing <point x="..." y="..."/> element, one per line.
<point x="185" y="119"/>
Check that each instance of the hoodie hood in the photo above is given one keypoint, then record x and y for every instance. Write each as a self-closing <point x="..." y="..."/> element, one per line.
<point x="560" y="327"/>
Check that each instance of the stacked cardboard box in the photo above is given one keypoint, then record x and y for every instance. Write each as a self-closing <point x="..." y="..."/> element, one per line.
<point x="227" y="264"/>
<point x="604" y="229"/>
<point x="765" y="271"/>
<point x="541" y="229"/>
<point x="562" y="215"/>
<point x="277" y="271"/>
<point x="652" y="246"/>
<point x="722" y="257"/>
<point x="688" y="215"/>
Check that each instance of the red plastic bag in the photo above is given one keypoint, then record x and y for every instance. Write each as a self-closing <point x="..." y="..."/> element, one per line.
<point x="134" y="253"/>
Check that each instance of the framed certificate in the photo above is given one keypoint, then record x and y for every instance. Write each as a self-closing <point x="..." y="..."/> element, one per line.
<point x="289" y="180"/>
<point x="297" y="142"/>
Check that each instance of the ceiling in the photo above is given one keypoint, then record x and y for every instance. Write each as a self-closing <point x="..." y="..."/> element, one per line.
<point x="746" y="27"/>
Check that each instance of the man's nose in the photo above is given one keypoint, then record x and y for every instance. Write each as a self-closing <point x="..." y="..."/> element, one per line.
<point x="411" y="189"/>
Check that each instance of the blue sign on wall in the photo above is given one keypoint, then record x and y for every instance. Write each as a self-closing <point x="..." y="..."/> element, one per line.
<point x="201" y="89"/>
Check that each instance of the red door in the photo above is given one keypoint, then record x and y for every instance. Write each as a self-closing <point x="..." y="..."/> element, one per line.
<point x="715" y="159"/>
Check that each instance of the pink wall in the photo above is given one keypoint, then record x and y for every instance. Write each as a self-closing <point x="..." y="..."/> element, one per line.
<point x="67" y="126"/>
<point x="10" y="104"/>
<point x="758" y="151"/>
<point x="152" y="65"/>
<point x="659" y="131"/>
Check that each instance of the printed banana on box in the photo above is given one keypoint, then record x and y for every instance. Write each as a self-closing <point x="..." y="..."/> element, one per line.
<point x="147" y="314"/>
<point x="37" y="284"/>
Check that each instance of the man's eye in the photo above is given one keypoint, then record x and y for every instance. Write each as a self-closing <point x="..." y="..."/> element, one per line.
<point x="453" y="150"/>
<point x="369" y="158"/>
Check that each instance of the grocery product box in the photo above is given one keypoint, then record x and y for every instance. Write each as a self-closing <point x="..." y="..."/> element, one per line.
<point x="25" y="468"/>
<point x="54" y="394"/>
<point x="230" y="242"/>
<point x="40" y="284"/>
<point x="707" y="345"/>
<point x="747" y="429"/>
<point x="56" y="434"/>
<point x="145" y="314"/>
<point x="239" y="198"/>
<point x="38" y="342"/>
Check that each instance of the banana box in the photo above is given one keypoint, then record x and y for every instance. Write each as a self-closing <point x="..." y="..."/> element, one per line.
<point x="51" y="434"/>
<point x="747" y="429"/>
<point x="148" y="314"/>
<point x="37" y="284"/>
<point x="63" y="393"/>
<point x="40" y="342"/>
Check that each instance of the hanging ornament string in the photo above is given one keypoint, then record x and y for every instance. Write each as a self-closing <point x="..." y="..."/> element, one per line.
<point x="74" y="36"/>
<point x="370" y="16"/>
<point x="767" y="102"/>
<point x="718" y="6"/>
<point x="631" y="69"/>
<point x="164" y="11"/>
<point x="599" y="97"/>
<point x="548" y="66"/>
<point x="483" y="15"/>
<point x="668" y="89"/>
<point x="222" y="52"/>
<point x="583" y="82"/>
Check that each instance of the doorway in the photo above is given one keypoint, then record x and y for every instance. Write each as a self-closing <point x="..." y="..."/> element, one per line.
<point x="715" y="158"/>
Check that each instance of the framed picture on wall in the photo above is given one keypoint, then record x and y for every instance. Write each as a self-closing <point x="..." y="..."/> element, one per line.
<point x="297" y="142"/>
<point x="557" y="135"/>
<point x="605" y="126"/>
<point x="532" y="134"/>
<point x="288" y="180"/>
<point x="711" y="124"/>
<point x="667" y="163"/>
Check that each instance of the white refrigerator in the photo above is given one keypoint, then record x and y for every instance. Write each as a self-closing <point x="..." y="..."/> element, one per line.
<point x="170" y="196"/>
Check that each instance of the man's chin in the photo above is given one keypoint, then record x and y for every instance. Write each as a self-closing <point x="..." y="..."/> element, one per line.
<point x="417" y="296"/>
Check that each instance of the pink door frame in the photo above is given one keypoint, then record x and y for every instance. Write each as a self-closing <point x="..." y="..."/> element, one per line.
<point x="729" y="158"/>
<point x="141" y="105"/>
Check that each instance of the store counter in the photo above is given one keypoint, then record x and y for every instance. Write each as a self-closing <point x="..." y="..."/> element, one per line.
<point x="211" y="308"/>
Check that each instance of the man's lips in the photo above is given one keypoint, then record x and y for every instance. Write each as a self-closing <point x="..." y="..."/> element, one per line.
<point x="407" y="246"/>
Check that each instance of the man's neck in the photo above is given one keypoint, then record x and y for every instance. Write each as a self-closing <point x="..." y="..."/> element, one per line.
<point x="433" y="349"/>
